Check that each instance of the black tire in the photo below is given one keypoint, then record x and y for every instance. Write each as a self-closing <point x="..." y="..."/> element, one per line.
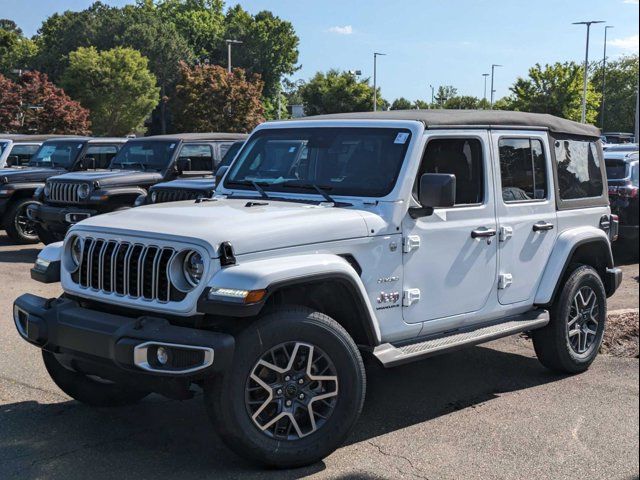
<point x="554" y="346"/>
<point x="229" y="408"/>
<point x="47" y="236"/>
<point x="18" y="228"/>
<point x="88" y="390"/>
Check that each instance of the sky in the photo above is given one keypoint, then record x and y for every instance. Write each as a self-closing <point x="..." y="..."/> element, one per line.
<point x="426" y="42"/>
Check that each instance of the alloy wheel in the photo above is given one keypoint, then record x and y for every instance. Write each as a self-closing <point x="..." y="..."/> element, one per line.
<point x="582" y="324"/>
<point x="24" y="224"/>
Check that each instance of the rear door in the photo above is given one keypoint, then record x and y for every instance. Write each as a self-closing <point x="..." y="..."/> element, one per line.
<point x="527" y="222"/>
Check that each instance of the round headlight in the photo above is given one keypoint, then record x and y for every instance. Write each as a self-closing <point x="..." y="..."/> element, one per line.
<point x="73" y="255"/>
<point x="46" y="190"/>
<point x="193" y="267"/>
<point x="154" y="197"/>
<point x="83" y="191"/>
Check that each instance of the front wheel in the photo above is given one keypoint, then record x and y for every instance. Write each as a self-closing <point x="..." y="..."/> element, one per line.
<point x="295" y="389"/>
<point x="571" y="340"/>
<point x="19" y="227"/>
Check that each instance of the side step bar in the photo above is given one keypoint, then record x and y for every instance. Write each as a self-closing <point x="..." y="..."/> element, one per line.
<point x="391" y="355"/>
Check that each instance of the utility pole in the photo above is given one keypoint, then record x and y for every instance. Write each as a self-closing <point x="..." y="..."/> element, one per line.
<point x="586" y="67"/>
<point x="485" y="75"/>
<point x="229" y="43"/>
<point x="604" y="75"/>
<point x="493" y="68"/>
<point x="375" y="79"/>
<point x="432" y="94"/>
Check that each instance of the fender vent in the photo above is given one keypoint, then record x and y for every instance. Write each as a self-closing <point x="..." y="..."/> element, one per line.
<point x="226" y="254"/>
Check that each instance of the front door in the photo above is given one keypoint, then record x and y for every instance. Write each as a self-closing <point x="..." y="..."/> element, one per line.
<point x="526" y="213"/>
<point x="455" y="265"/>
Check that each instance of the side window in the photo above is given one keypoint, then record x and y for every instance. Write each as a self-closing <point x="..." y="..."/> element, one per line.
<point x="578" y="166"/>
<point x="23" y="152"/>
<point x="523" y="169"/>
<point x="103" y="154"/>
<point x="224" y="148"/>
<point x="461" y="157"/>
<point x="201" y="156"/>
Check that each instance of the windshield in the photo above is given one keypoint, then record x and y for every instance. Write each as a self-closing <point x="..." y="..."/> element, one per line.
<point x="616" y="169"/>
<point x="56" y="154"/>
<point x="152" y="155"/>
<point x="340" y="161"/>
<point x="230" y="154"/>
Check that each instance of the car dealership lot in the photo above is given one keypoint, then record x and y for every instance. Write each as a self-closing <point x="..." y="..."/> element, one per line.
<point x="500" y="416"/>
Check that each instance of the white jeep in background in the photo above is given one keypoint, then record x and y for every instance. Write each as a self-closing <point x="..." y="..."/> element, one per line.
<point x="396" y="234"/>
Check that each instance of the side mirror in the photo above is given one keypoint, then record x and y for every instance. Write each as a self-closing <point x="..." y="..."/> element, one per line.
<point x="183" y="165"/>
<point x="13" y="161"/>
<point x="435" y="190"/>
<point x="220" y="172"/>
<point x="90" y="162"/>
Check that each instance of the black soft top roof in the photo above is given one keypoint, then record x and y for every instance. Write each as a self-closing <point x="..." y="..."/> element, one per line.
<point x="190" y="137"/>
<point x="472" y="118"/>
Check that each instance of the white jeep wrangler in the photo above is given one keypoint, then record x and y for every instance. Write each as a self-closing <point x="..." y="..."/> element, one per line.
<point x="396" y="234"/>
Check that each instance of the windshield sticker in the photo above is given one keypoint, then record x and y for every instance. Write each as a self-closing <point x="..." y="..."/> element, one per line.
<point x="292" y="149"/>
<point x="79" y="146"/>
<point x="401" y="138"/>
<point x="172" y="145"/>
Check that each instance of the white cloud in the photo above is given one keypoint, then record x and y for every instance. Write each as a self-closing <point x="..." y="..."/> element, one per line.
<point x="344" y="30"/>
<point x="632" y="2"/>
<point x="628" y="44"/>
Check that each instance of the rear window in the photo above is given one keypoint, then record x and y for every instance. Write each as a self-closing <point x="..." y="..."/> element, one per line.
<point x="616" y="169"/>
<point x="579" y="174"/>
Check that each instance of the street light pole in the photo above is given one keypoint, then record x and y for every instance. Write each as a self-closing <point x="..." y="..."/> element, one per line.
<point x="485" y="75"/>
<point x="586" y="67"/>
<point x="493" y="67"/>
<point x="604" y="75"/>
<point x="432" y="94"/>
<point x="229" y="43"/>
<point x="375" y="79"/>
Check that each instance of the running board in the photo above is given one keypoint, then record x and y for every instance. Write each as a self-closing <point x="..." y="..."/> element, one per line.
<point x="391" y="355"/>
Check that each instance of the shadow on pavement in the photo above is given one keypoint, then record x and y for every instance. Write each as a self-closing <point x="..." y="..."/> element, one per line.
<point x="169" y="439"/>
<point x="25" y="255"/>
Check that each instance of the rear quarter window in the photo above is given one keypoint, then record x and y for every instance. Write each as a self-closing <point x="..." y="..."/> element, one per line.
<point x="578" y="165"/>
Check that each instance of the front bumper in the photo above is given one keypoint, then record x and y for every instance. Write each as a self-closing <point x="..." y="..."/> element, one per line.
<point x="119" y="344"/>
<point x="58" y="219"/>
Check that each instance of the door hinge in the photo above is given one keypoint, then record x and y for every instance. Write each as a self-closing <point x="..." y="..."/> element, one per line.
<point x="504" y="280"/>
<point x="412" y="242"/>
<point x="506" y="233"/>
<point x="410" y="296"/>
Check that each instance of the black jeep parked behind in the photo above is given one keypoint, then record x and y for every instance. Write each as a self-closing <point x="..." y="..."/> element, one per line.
<point x="142" y="162"/>
<point x="53" y="157"/>
<point x="190" y="189"/>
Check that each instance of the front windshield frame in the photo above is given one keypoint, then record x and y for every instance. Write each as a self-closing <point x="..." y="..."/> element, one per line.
<point x="161" y="166"/>
<point x="392" y="156"/>
<point x="76" y="147"/>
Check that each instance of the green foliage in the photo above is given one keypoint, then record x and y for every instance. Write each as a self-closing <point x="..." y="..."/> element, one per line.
<point x="555" y="89"/>
<point x="463" y="102"/>
<point x="444" y="93"/>
<point x="401" y="104"/>
<point x="115" y="85"/>
<point x="337" y="92"/>
<point x="16" y="51"/>
<point x="620" y="93"/>
<point x="421" y="105"/>
<point x="208" y="99"/>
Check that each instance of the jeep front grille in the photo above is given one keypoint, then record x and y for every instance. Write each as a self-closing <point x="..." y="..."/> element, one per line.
<point x="124" y="268"/>
<point x="168" y="195"/>
<point x="63" y="192"/>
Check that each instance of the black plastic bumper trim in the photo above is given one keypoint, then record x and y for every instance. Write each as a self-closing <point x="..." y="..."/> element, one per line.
<point x="49" y="275"/>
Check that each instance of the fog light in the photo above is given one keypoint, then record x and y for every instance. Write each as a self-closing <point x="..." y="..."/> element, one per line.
<point x="162" y="354"/>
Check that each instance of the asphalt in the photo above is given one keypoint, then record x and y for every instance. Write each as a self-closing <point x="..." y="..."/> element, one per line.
<point x="486" y="412"/>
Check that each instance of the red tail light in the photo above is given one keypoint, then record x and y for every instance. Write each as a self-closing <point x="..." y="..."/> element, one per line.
<point x="626" y="191"/>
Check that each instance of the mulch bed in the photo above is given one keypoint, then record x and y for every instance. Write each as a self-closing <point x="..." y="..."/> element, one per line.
<point x="621" y="334"/>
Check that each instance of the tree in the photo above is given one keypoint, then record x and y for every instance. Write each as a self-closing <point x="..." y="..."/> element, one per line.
<point x="16" y="51"/>
<point x="444" y="93"/>
<point x="115" y="85"/>
<point x="555" y="89"/>
<point x="48" y="109"/>
<point x="337" y="92"/>
<point x="209" y="99"/>
<point x="401" y="104"/>
<point x="10" y="103"/>
<point x="620" y="93"/>
<point x="463" y="102"/>
<point x="421" y="105"/>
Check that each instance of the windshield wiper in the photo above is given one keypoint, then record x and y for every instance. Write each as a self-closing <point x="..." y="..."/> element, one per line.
<point x="252" y="183"/>
<point x="322" y="190"/>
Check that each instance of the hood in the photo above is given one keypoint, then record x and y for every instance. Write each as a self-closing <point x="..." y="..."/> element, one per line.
<point x="274" y="225"/>
<point x="203" y="184"/>
<point x="109" y="178"/>
<point x="23" y="175"/>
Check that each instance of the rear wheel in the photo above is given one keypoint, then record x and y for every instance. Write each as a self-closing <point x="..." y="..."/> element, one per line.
<point x="294" y="390"/>
<point x="88" y="389"/>
<point x="18" y="226"/>
<point x="571" y="340"/>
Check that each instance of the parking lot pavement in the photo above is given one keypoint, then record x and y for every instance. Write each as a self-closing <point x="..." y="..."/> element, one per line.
<point x="487" y="412"/>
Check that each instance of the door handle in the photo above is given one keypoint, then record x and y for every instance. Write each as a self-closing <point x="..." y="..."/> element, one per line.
<point x="542" y="227"/>
<point x="483" y="233"/>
